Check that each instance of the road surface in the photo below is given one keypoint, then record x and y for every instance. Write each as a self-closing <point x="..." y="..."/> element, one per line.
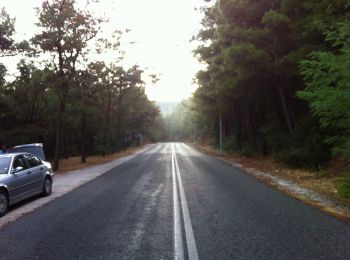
<point x="173" y="202"/>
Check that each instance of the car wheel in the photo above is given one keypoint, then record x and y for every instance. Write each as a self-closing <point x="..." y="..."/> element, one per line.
<point x="4" y="203"/>
<point x="47" y="189"/>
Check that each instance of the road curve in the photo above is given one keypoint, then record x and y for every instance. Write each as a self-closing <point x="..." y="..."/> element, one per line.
<point x="173" y="202"/>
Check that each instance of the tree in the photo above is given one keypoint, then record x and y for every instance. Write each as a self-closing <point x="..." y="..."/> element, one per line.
<point x="68" y="91"/>
<point x="252" y="50"/>
<point x="66" y="33"/>
<point x="7" y="29"/>
<point x="327" y="78"/>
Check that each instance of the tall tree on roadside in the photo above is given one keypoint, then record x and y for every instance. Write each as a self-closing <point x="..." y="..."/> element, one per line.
<point x="66" y="33"/>
<point x="7" y="30"/>
<point x="327" y="79"/>
<point x="253" y="47"/>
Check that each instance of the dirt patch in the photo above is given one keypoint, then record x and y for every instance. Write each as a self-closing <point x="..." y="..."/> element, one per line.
<point x="74" y="163"/>
<point x="314" y="188"/>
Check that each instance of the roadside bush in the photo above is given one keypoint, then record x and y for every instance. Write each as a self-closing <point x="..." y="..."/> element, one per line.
<point x="230" y="144"/>
<point x="309" y="152"/>
<point x="247" y="150"/>
<point x="104" y="145"/>
<point x="343" y="188"/>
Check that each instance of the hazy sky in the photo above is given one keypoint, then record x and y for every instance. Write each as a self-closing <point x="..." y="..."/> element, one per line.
<point x="160" y="32"/>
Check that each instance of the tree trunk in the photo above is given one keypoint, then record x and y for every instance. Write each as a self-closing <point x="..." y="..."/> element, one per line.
<point x="32" y="113"/>
<point x="252" y="126"/>
<point x="56" y="157"/>
<point x="83" y="139"/>
<point x="65" y="146"/>
<point x="285" y="109"/>
<point x="238" y="129"/>
<point x="280" y="88"/>
<point x="220" y="132"/>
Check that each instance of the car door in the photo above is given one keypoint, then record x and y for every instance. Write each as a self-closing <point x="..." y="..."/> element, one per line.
<point x="36" y="169"/>
<point x="20" y="182"/>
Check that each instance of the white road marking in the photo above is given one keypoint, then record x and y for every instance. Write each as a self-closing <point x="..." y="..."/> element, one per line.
<point x="191" y="242"/>
<point x="178" y="243"/>
<point x="141" y="224"/>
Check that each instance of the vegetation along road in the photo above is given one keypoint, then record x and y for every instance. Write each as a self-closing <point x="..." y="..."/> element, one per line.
<point x="172" y="201"/>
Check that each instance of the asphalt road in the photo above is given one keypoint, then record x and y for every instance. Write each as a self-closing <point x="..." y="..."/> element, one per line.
<point x="174" y="202"/>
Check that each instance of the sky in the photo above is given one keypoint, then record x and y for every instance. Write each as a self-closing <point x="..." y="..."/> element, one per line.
<point x="158" y="41"/>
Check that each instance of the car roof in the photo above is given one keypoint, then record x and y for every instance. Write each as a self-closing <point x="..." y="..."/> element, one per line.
<point x="30" y="145"/>
<point x="11" y="154"/>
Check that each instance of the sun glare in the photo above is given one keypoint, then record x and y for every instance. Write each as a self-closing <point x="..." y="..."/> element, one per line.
<point x="158" y="40"/>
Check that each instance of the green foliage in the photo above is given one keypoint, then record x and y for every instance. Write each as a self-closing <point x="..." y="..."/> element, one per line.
<point x="305" y="148"/>
<point x="99" y="111"/>
<point x="276" y="21"/>
<point x="70" y="104"/>
<point x="230" y="145"/>
<point x="328" y="87"/>
<point x="66" y="29"/>
<point x="7" y="30"/>
<point x="343" y="188"/>
<point x="252" y="50"/>
<point x="104" y="144"/>
<point x="307" y="151"/>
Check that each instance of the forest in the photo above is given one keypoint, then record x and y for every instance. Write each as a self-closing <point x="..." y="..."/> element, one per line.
<point x="276" y="83"/>
<point x="73" y="105"/>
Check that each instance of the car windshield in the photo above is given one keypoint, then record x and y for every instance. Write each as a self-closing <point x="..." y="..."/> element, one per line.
<point x="4" y="164"/>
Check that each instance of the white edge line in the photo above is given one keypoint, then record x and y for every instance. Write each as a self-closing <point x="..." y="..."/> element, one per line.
<point x="178" y="243"/>
<point x="191" y="242"/>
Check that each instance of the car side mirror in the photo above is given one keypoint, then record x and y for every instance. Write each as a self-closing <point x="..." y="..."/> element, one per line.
<point x="17" y="169"/>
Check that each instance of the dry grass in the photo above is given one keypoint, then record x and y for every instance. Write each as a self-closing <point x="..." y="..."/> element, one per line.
<point x="73" y="163"/>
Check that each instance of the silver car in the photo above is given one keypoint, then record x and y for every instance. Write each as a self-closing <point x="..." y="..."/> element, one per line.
<point x="23" y="175"/>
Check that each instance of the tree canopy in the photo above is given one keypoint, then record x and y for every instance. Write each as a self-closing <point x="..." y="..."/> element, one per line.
<point x="253" y="50"/>
<point x="72" y="104"/>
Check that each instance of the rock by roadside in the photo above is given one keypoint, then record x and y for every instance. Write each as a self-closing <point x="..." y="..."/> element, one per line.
<point x="64" y="183"/>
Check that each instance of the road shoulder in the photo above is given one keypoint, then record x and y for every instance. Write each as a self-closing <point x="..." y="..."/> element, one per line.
<point x="65" y="183"/>
<point x="311" y="197"/>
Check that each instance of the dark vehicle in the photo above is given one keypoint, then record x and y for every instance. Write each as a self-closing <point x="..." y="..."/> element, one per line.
<point x="36" y="149"/>
<point x="23" y="175"/>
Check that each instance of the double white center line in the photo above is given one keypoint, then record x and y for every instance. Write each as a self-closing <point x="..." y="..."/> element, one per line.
<point x="178" y="237"/>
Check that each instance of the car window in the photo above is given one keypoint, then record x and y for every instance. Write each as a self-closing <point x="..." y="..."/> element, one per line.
<point x="20" y="161"/>
<point x="4" y="164"/>
<point x="39" y="162"/>
<point x="33" y="160"/>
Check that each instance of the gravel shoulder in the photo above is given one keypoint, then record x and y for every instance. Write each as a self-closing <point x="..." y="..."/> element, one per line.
<point x="65" y="183"/>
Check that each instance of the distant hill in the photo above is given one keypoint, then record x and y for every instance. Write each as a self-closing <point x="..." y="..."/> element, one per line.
<point x="167" y="108"/>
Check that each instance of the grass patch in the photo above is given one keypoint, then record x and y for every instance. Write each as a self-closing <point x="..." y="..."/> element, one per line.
<point x="344" y="186"/>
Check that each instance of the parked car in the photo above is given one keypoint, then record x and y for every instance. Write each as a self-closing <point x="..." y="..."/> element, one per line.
<point x="37" y="149"/>
<point x="22" y="175"/>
